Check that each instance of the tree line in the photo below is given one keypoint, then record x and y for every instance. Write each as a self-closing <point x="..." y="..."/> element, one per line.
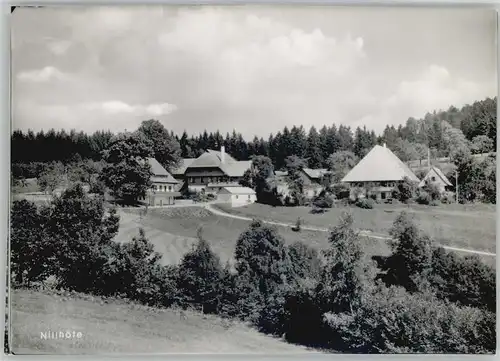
<point x="475" y="123"/>
<point x="419" y="299"/>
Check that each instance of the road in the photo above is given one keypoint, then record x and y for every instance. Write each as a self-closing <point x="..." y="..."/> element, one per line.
<point x="218" y="212"/>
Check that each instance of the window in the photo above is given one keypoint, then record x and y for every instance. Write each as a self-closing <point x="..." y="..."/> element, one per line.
<point x="236" y="196"/>
<point x="169" y="188"/>
<point x="249" y="197"/>
<point x="433" y="178"/>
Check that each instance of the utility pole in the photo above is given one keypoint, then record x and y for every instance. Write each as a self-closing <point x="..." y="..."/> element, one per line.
<point x="456" y="185"/>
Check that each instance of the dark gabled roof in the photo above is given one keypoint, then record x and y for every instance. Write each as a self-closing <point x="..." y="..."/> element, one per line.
<point x="230" y="166"/>
<point x="315" y="173"/>
<point x="160" y="174"/>
<point x="183" y="165"/>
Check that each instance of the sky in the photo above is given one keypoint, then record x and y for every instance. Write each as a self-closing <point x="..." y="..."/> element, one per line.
<point x="255" y="69"/>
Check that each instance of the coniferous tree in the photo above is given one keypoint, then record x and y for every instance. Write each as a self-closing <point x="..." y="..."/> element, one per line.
<point x="314" y="153"/>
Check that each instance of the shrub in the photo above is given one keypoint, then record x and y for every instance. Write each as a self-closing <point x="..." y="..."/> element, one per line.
<point x="263" y="265"/>
<point x="465" y="280"/>
<point x="323" y="201"/>
<point x="298" y="222"/>
<point x="423" y="197"/>
<point x="316" y="210"/>
<point x="30" y="250"/>
<point x="305" y="261"/>
<point x="448" y="198"/>
<point x="411" y="259"/>
<point x="200" y="274"/>
<point x="393" y="321"/>
<point x="340" y="191"/>
<point x="434" y="203"/>
<point x="433" y="190"/>
<point x="80" y="229"/>
<point x="345" y="274"/>
<point x="364" y="203"/>
<point x="404" y="190"/>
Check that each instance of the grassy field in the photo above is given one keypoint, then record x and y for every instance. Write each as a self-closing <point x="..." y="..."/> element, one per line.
<point x="455" y="225"/>
<point x="119" y="327"/>
<point x="173" y="232"/>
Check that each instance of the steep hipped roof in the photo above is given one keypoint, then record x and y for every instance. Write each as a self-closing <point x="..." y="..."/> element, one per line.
<point x="183" y="165"/>
<point x="439" y="173"/>
<point x="239" y="190"/>
<point x="315" y="173"/>
<point x="230" y="166"/>
<point x="380" y="164"/>
<point x="236" y="168"/>
<point x="160" y="174"/>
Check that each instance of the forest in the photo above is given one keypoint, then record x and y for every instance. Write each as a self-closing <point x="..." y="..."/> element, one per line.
<point x="474" y="124"/>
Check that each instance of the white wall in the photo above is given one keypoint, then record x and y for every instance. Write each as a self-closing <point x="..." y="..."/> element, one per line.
<point x="242" y="199"/>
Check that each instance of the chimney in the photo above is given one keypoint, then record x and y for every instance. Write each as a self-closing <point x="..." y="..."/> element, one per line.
<point x="429" y="158"/>
<point x="222" y="154"/>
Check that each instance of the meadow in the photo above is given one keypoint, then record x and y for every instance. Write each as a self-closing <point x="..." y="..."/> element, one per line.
<point x="113" y="326"/>
<point x="467" y="226"/>
<point x="173" y="232"/>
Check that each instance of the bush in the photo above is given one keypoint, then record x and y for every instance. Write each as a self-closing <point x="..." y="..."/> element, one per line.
<point x="263" y="265"/>
<point x="30" y="250"/>
<point x="340" y="191"/>
<point x="323" y="201"/>
<point x="465" y="280"/>
<point x="410" y="261"/>
<point x="423" y="197"/>
<point x="316" y="210"/>
<point x="393" y="321"/>
<point x="133" y="270"/>
<point x="364" y="203"/>
<point x="298" y="222"/>
<point x="404" y="190"/>
<point x="448" y="198"/>
<point x="305" y="261"/>
<point x="199" y="278"/>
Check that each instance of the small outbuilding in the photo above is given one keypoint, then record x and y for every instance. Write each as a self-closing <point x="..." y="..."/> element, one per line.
<point x="437" y="177"/>
<point x="237" y="196"/>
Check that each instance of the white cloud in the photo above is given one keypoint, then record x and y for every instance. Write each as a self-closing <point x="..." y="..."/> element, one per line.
<point x="58" y="47"/>
<point x="42" y="75"/>
<point x="435" y="88"/>
<point x="231" y="68"/>
<point x="117" y="107"/>
<point x="92" y="115"/>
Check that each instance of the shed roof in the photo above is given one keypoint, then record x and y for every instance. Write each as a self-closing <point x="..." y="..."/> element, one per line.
<point x="380" y="164"/>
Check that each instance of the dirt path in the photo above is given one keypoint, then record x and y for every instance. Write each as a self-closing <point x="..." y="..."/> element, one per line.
<point x="319" y="229"/>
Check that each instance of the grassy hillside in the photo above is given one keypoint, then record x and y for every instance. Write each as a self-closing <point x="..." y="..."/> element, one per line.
<point x="455" y="225"/>
<point x="119" y="327"/>
<point x="173" y="231"/>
